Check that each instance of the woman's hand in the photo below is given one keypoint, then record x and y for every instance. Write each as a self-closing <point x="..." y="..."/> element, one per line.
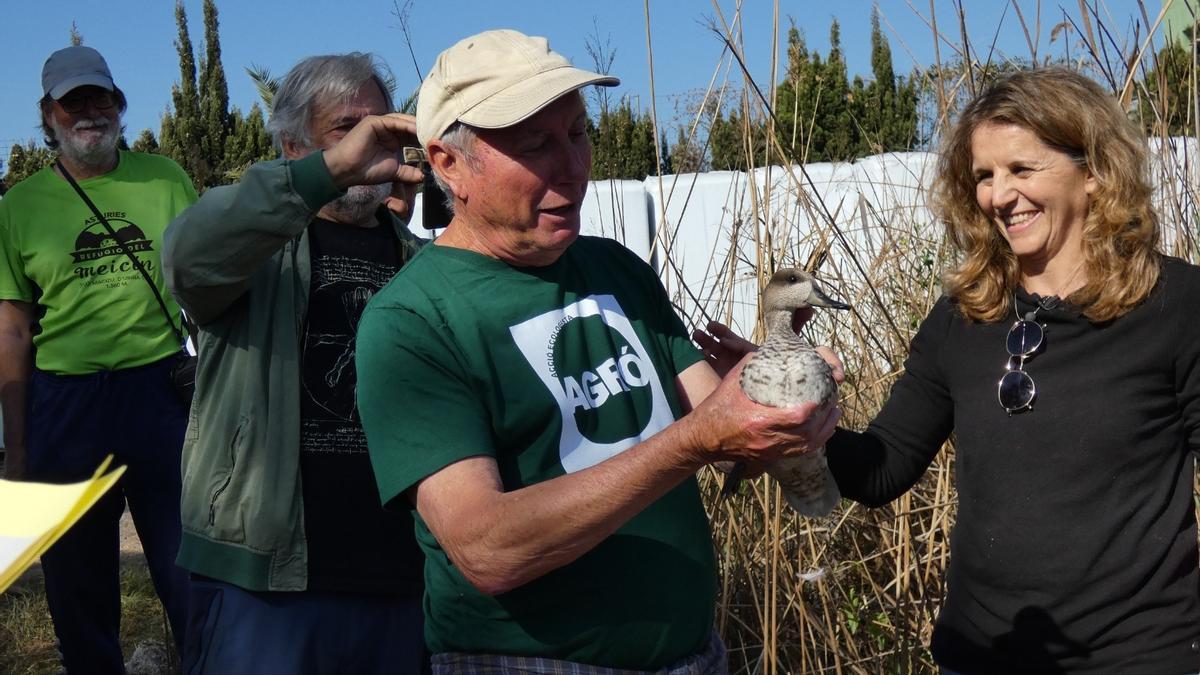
<point x="722" y="348"/>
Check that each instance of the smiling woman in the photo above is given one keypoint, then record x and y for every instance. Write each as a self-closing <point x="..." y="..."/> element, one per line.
<point x="1009" y="140"/>
<point x="1037" y="197"/>
<point x="1063" y="359"/>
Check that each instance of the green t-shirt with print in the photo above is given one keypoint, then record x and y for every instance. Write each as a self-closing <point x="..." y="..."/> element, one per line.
<point x="549" y="370"/>
<point x="99" y="313"/>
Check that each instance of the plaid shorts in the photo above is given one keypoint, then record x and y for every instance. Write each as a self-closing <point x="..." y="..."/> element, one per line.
<point x="711" y="661"/>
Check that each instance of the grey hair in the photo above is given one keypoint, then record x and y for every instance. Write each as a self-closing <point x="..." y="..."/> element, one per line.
<point x="461" y="137"/>
<point x="322" y="80"/>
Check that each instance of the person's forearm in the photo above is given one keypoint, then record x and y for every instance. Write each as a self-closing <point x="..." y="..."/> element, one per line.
<point x="873" y="472"/>
<point x="502" y="540"/>
<point x="14" y="383"/>
<point x="16" y="362"/>
<point x="12" y="412"/>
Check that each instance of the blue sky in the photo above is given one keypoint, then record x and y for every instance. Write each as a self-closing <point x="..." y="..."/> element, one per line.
<point x="136" y="37"/>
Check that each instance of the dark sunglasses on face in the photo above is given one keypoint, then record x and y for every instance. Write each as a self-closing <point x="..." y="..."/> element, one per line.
<point x="75" y="103"/>
<point x="1016" y="390"/>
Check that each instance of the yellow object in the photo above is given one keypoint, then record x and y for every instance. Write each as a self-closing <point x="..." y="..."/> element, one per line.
<point x="34" y="515"/>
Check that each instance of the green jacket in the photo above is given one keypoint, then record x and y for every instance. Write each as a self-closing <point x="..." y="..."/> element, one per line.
<point x="238" y="263"/>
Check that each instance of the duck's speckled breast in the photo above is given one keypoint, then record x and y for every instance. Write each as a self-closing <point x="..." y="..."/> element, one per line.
<point x="786" y="375"/>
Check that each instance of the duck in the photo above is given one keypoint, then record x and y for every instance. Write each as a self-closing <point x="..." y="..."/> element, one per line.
<point x="788" y="371"/>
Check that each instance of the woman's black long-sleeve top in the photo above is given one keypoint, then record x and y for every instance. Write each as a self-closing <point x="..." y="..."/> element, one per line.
<point x="1075" y="546"/>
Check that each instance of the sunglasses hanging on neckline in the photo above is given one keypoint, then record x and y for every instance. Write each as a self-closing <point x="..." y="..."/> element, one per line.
<point x="1016" y="389"/>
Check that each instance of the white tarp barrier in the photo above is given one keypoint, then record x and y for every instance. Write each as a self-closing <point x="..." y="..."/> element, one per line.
<point x="620" y="210"/>
<point x="708" y="234"/>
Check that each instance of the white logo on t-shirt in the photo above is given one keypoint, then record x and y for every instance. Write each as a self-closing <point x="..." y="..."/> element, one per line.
<point x="627" y="370"/>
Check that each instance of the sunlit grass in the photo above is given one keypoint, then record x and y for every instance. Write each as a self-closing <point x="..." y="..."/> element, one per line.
<point x="27" y="644"/>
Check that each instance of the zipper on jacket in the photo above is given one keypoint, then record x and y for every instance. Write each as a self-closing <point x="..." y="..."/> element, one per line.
<point x="212" y="506"/>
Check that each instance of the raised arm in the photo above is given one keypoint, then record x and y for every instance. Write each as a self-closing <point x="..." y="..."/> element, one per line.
<point x="211" y="249"/>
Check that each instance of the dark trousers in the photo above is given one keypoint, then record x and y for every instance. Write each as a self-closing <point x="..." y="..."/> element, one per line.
<point x="238" y="632"/>
<point x="73" y="422"/>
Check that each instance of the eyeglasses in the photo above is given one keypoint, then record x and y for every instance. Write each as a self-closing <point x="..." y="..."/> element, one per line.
<point x="1016" y="390"/>
<point x="75" y="103"/>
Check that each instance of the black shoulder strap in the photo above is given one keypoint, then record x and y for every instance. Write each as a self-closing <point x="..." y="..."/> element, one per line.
<point x="136" y="262"/>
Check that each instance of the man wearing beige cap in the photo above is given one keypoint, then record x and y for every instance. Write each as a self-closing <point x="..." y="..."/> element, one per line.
<point x="108" y="337"/>
<point x="533" y="394"/>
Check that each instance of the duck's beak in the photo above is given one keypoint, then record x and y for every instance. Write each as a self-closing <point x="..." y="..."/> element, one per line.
<point x="818" y="299"/>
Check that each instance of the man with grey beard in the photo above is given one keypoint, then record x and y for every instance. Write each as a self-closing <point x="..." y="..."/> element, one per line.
<point x="87" y="345"/>
<point x="296" y="567"/>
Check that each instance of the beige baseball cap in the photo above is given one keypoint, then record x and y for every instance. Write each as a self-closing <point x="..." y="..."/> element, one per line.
<point x="494" y="80"/>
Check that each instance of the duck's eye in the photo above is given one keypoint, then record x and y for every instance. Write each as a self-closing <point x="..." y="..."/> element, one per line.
<point x="792" y="278"/>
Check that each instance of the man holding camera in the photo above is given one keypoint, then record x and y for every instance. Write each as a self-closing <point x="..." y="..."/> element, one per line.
<point x="296" y="566"/>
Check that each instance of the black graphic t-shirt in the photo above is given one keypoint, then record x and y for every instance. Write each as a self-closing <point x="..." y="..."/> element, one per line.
<point x="353" y="544"/>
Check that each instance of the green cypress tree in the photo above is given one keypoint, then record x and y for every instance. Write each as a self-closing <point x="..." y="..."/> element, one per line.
<point x="24" y="160"/>
<point x="736" y="144"/>
<point x="879" y="96"/>
<point x="665" y="151"/>
<point x="794" y="97"/>
<point x="888" y="110"/>
<point x="215" y="123"/>
<point x="146" y="142"/>
<point x="724" y="151"/>
<point x="643" y="156"/>
<point x="248" y="142"/>
<point x="623" y="131"/>
<point x="807" y="106"/>
<point x="820" y="114"/>
<point x="835" y="135"/>
<point x="181" y="132"/>
<point x="1166" y="108"/>
<point x="622" y="144"/>
<point x="686" y="156"/>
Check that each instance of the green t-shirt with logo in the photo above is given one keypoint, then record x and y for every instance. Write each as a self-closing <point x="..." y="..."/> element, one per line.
<point x="548" y="370"/>
<point x="99" y="313"/>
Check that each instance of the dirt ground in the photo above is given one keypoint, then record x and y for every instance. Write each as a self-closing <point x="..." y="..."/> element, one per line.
<point x="130" y="544"/>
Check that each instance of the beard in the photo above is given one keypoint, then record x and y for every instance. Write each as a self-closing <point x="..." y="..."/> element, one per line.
<point x="91" y="142"/>
<point x="358" y="204"/>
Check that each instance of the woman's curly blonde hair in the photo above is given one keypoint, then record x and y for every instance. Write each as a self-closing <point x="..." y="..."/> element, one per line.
<point x="1073" y="114"/>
